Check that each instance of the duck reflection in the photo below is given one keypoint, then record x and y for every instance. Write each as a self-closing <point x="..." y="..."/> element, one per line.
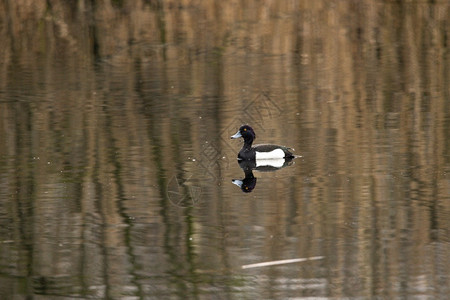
<point x="248" y="183"/>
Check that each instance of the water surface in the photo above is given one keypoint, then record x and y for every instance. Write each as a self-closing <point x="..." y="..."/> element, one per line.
<point x="116" y="164"/>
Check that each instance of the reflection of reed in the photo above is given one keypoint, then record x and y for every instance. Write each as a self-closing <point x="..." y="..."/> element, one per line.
<point x="116" y="97"/>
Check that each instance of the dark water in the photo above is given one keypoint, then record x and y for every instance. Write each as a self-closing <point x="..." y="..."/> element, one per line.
<point x="116" y="163"/>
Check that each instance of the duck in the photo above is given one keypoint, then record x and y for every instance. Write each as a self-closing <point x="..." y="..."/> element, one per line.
<point x="259" y="152"/>
<point x="248" y="183"/>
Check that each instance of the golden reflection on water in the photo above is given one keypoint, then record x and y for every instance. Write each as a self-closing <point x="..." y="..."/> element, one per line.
<point x="116" y="163"/>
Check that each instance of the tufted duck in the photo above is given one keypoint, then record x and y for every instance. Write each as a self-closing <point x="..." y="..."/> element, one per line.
<point x="258" y="152"/>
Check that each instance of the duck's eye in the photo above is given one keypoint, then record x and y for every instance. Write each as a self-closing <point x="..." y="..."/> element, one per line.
<point x="246" y="187"/>
<point x="245" y="129"/>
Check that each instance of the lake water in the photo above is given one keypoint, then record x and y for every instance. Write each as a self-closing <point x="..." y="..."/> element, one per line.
<point x="116" y="162"/>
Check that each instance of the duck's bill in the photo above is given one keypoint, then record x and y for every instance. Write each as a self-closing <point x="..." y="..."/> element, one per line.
<point x="237" y="182"/>
<point x="237" y="135"/>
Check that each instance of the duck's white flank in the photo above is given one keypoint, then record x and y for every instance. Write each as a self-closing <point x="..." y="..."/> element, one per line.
<point x="274" y="154"/>
<point x="276" y="163"/>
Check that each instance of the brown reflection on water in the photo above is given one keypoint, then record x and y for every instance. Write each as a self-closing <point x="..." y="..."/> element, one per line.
<point x="116" y="163"/>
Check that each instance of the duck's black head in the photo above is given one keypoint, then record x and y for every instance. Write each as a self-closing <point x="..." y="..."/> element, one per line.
<point x="248" y="183"/>
<point x="247" y="133"/>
